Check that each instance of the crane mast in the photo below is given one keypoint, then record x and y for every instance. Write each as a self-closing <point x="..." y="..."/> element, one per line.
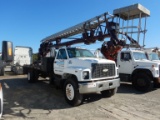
<point x="115" y="26"/>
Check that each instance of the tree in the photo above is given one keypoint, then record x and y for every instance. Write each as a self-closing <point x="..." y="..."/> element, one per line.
<point x="34" y="57"/>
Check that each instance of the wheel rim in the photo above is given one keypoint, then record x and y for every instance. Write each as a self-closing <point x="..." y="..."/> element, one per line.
<point x="69" y="92"/>
<point x="28" y="75"/>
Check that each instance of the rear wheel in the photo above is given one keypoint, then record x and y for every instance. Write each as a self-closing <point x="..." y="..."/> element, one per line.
<point x="142" y="82"/>
<point x="51" y="79"/>
<point x="109" y="93"/>
<point x="71" y="93"/>
<point x="32" y="76"/>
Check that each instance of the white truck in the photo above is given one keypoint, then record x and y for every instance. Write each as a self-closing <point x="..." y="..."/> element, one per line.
<point x="78" y="72"/>
<point x="22" y="56"/>
<point x="133" y="64"/>
<point x="135" y="67"/>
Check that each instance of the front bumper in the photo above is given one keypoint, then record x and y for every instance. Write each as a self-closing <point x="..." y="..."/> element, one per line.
<point x="94" y="87"/>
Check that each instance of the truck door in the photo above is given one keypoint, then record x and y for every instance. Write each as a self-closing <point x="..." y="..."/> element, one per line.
<point x="59" y="62"/>
<point x="125" y="63"/>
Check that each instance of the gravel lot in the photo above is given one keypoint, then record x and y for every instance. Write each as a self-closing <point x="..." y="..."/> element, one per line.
<point x="41" y="101"/>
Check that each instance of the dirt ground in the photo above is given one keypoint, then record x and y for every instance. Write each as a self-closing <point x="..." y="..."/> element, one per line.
<point x="41" y="101"/>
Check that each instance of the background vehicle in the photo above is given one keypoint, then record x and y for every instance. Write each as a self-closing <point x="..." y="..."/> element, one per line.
<point x="22" y="56"/>
<point x="152" y="53"/>
<point x="14" y="61"/>
<point x="6" y="56"/>
<point x="135" y="67"/>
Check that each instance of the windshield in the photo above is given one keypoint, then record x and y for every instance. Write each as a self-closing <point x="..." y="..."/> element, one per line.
<point x="77" y="52"/>
<point x="153" y="56"/>
<point x="139" y="56"/>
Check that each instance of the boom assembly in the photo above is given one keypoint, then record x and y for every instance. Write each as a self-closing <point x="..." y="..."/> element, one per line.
<point x="101" y="27"/>
<point x="76" y="70"/>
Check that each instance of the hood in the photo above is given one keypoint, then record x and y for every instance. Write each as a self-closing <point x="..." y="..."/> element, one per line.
<point x="86" y="62"/>
<point x="156" y="61"/>
<point x="147" y="63"/>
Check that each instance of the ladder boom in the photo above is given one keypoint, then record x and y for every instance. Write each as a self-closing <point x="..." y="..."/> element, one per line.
<point x="79" y="28"/>
<point x="120" y="27"/>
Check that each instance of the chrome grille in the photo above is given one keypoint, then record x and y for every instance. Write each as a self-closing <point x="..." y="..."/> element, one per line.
<point x="103" y="70"/>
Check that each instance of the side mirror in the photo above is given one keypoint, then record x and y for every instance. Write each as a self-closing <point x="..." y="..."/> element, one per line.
<point x="7" y="51"/>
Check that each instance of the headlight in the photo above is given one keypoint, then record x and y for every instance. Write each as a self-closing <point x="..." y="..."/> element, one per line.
<point x="85" y="74"/>
<point x="117" y="71"/>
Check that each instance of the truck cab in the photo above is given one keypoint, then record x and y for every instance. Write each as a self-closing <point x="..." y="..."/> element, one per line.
<point x="85" y="67"/>
<point x="78" y="66"/>
<point x="135" y="67"/>
<point x="153" y="56"/>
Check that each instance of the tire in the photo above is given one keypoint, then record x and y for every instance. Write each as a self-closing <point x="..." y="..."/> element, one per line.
<point x="32" y="76"/>
<point x="109" y="93"/>
<point x="51" y="79"/>
<point x="142" y="82"/>
<point x="71" y="93"/>
<point x="2" y="71"/>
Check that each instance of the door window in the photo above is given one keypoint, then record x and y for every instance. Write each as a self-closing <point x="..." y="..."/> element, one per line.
<point x="62" y="54"/>
<point x="125" y="56"/>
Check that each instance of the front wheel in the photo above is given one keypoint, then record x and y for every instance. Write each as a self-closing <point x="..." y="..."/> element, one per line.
<point x="109" y="93"/>
<point x="71" y="93"/>
<point x="142" y="82"/>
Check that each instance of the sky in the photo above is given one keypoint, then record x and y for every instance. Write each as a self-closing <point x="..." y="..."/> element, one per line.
<point x="27" y="22"/>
